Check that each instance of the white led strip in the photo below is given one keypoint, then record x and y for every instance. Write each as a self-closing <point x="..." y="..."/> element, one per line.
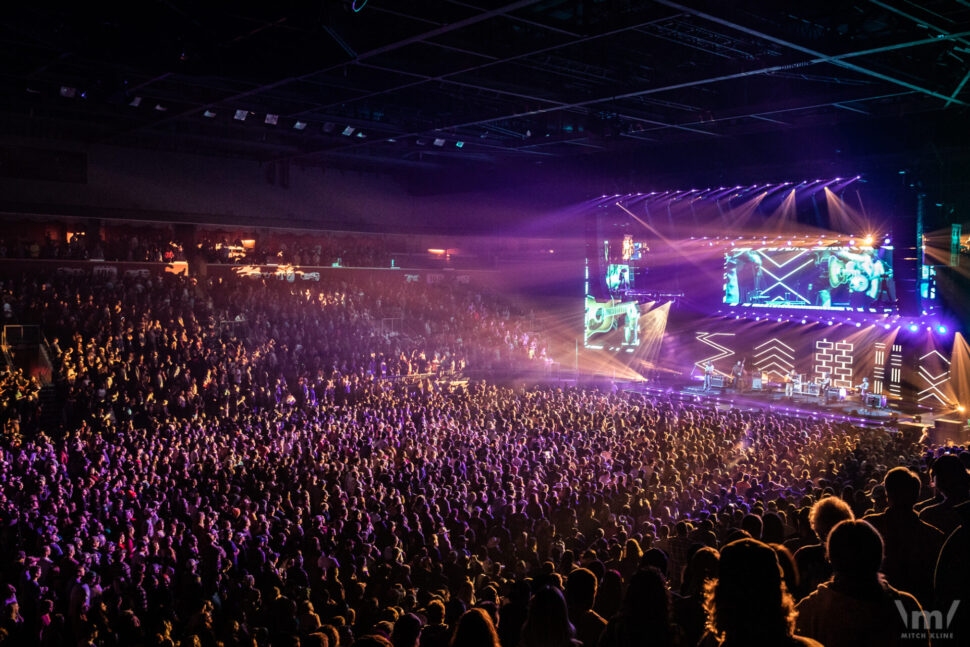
<point x="934" y="381"/>
<point x="723" y="351"/>
<point x="896" y="370"/>
<point x="878" y="368"/>
<point x="774" y="356"/>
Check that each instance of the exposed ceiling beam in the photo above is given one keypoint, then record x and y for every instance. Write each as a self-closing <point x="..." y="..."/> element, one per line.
<point x="959" y="88"/>
<point x="390" y="47"/>
<point x="524" y="21"/>
<point x="475" y="68"/>
<point x="915" y="19"/>
<point x="811" y="52"/>
<point x="682" y="85"/>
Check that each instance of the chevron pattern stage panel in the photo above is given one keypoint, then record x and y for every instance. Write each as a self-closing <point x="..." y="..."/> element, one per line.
<point x="774" y="357"/>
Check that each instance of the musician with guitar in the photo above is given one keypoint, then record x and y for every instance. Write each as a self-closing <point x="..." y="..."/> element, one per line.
<point x="858" y="275"/>
<point x="604" y="317"/>
<point x="737" y="371"/>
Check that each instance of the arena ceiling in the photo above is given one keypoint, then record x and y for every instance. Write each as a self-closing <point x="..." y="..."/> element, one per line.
<point x="470" y="81"/>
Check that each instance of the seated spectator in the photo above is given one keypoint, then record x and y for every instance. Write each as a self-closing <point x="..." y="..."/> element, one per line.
<point x="857" y="608"/>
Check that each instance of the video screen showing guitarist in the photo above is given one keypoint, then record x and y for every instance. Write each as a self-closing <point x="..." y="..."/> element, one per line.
<point x="603" y="317"/>
<point x="837" y="278"/>
<point x="854" y="277"/>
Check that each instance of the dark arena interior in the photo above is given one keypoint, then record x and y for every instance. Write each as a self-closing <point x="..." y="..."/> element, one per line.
<point x="485" y="323"/>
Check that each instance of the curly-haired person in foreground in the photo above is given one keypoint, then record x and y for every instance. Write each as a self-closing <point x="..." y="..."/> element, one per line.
<point x="748" y="604"/>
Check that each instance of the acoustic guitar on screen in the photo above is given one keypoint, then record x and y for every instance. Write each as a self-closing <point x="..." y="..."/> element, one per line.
<point x="602" y="317"/>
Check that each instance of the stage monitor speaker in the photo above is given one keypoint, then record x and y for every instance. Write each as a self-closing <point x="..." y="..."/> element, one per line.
<point x="945" y="431"/>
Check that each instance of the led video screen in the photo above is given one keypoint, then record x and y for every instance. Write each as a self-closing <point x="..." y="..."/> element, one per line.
<point x="824" y="278"/>
<point x="618" y="278"/>
<point x="611" y="324"/>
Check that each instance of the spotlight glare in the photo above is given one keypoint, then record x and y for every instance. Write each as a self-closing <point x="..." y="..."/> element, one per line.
<point x="941" y="329"/>
<point x="913" y="327"/>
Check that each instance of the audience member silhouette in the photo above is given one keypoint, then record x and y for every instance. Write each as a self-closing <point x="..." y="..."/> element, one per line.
<point x="748" y="605"/>
<point x="951" y="481"/>
<point x="911" y="545"/>
<point x="813" y="568"/>
<point x="581" y="595"/>
<point x="689" y="609"/>
<point x="857" y="608"/>
<point x="547" y="624"/>
<point x="645" y="615"/>
<point x="475" y="629"/>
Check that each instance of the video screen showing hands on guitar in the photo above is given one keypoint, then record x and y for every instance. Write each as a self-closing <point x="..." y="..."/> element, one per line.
<point x="613" y="308"/>
<point x="612" y="324"/>
<point x="827" y="278"/>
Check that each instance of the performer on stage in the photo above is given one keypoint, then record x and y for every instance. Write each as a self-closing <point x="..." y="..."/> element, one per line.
<point x="790" y="384"/>
<point x="736" y="372"/>
<point x="823" y="388"/>
<point x="708" y="375"/>
<point x="864" y="389"/>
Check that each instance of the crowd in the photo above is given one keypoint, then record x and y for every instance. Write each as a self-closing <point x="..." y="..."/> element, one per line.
<point x="347" y="249"/>
<point x="241" y="464"/>
<point x="19" y="398"/>
<point x="161" y="245"/>
<point x="120" y="244"/>
<point x="125" y="242"/>
<point x="139" y="347"/>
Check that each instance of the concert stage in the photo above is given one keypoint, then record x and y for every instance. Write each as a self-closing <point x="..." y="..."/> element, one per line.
<point x="851" y="406"/>
<point x="785" y="286"/>
<point x="754" y="401"/>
